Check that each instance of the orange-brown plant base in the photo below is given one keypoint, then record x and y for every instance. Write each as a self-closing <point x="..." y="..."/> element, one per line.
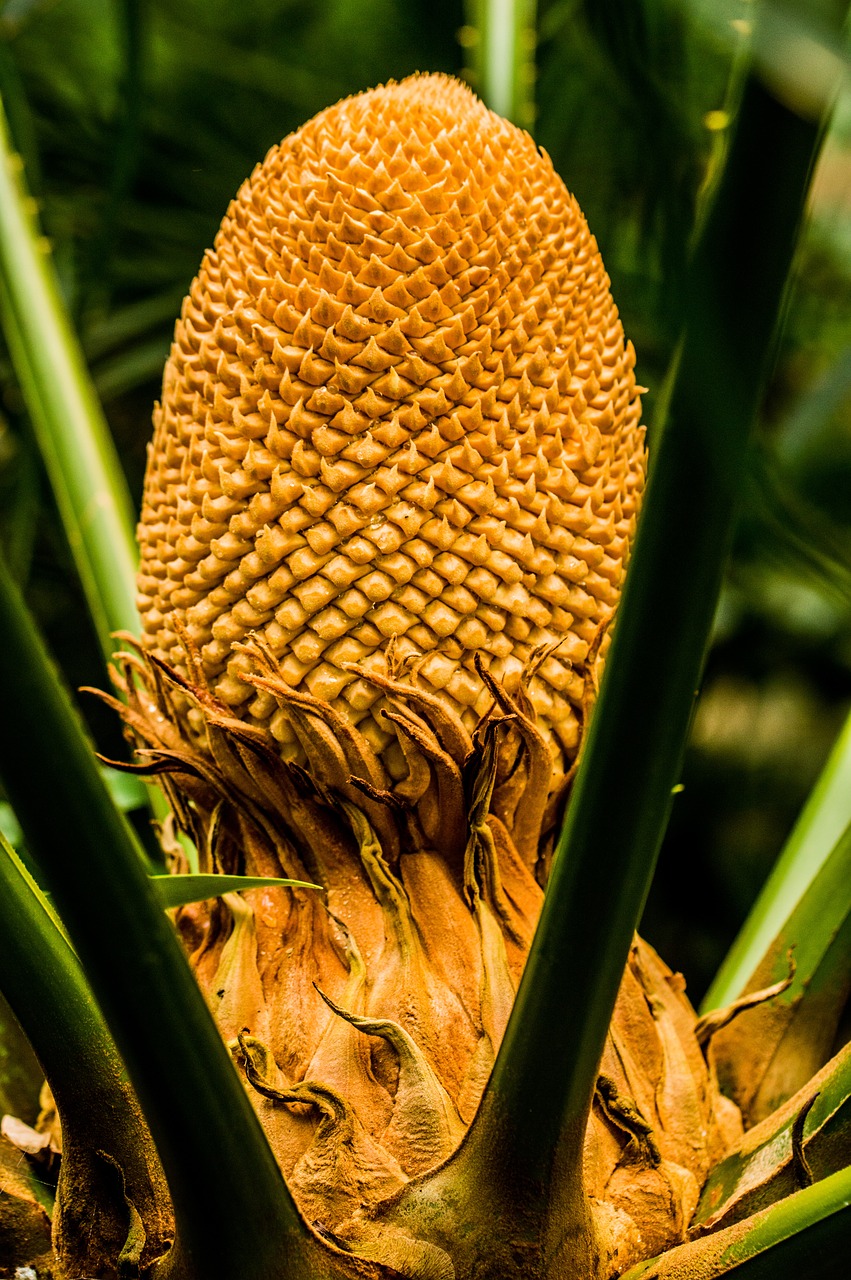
<point x="366" y="1017"/>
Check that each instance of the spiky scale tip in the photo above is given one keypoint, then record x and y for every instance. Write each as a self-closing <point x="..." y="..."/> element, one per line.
<point x="399" y="403"/>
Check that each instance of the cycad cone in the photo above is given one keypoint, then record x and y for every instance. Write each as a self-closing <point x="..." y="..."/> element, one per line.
<point x="388" y="507"/>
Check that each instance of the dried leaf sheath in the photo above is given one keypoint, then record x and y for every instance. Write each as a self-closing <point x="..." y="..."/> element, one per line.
<point x="381" y="1004"/>
<point x="388" y="508"/>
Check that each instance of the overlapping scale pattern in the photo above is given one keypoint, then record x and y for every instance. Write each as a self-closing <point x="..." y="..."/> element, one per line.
<point x="399" y="403"/>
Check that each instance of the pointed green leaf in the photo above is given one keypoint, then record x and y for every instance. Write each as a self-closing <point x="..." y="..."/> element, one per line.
<point x="177" y="891"/>
<point x="769" y="1052"/>
<point x="807" y="1235"/>
<point x="216" y="1158"/>
<point x="546" y="1068"/>
<point x="72" y="433"/>
<point x="45" y="985"/>
<point x="803" y="1141"/>
<point x="821" y="824"/>
<point x="73" y="436"/>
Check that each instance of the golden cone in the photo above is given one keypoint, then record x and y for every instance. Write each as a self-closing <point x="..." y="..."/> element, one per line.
<point x="393" y="485"/>
<point x="398" y="403"/>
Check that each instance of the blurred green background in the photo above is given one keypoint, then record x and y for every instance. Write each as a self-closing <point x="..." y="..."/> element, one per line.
<point x="138" y="121"/>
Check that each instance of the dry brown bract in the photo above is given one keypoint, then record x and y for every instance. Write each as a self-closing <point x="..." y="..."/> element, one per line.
<point x="387" y="513"/>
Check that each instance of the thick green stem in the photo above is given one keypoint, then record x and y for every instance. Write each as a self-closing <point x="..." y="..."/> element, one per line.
<point x="101" y="1122"/>
<point x="546" y="1070"/>
<point x="502" y="46"/>
<point x="132" y="23"/>
<point x="219" y="1166"/>
<point x="72" y="433"/>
